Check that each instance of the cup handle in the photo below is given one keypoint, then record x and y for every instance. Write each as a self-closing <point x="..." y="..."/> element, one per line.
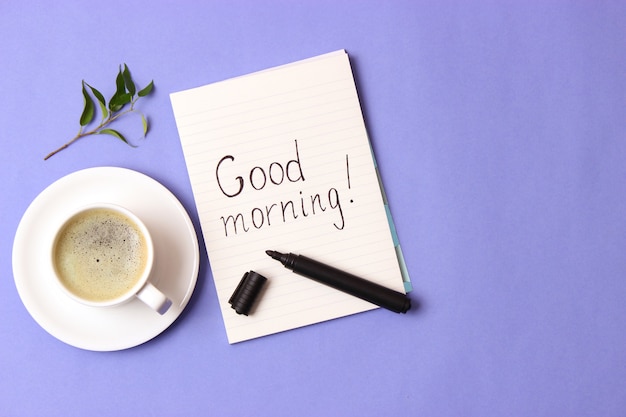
<point x="154" y="298"/>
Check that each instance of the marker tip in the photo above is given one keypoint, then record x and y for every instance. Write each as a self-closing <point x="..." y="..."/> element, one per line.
<point x="273" y="254"/>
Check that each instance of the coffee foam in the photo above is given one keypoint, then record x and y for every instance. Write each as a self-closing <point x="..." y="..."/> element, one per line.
<point x="100" y="254"/>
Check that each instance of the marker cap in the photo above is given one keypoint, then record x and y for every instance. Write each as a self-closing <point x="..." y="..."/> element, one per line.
<point x="247" y="292"/>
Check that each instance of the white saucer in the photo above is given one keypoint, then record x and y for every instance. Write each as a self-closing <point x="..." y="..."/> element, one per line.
<point x="105" y="329"/>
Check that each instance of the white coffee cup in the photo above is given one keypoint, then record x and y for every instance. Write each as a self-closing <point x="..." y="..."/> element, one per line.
<point x="102" y="256"/>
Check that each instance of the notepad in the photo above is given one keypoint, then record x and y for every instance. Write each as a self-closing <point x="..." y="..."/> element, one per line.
<point x="280" y="159"/>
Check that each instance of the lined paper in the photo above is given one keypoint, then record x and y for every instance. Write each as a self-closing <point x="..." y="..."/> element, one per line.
<point x="280" y="160"/>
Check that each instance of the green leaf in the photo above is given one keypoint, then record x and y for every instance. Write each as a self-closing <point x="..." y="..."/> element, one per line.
<point x="119" y="101"/>
<point x="114" y="133"/>
<point x="146" y="90"/>
<point x="120" y="89"/>
<point x="119" y="83"/>
<point x="144" y="121"/>
<point x="130" y="85"/>
<point x="88" y="110"/>
<point x="101" y="101"/>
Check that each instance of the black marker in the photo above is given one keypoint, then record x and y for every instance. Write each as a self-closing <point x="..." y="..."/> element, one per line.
<point x="343" y="281"/>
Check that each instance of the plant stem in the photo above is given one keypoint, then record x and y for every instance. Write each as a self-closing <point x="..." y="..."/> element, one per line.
<point x="103" y="124"/>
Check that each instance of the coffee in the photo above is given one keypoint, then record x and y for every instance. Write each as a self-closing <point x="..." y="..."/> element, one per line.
<point x="100" y="254"/>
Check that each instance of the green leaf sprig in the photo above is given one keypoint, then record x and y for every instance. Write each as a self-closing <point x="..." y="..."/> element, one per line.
<point x="122" y="102"/>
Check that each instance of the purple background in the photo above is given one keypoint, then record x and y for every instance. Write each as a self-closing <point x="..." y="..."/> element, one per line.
<point x="500" y="131"/>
